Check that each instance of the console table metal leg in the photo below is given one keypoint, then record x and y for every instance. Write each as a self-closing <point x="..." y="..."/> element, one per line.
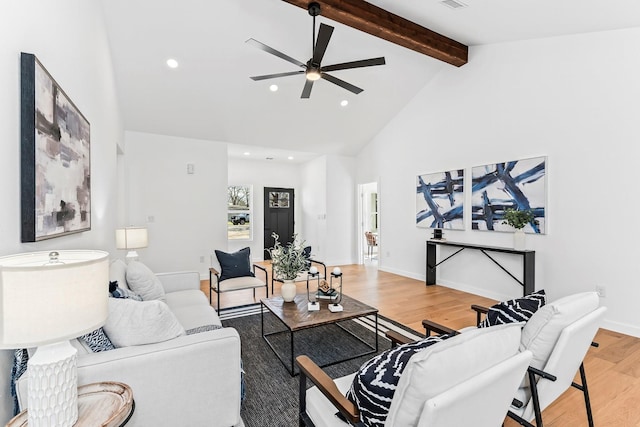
<point x="431" y="264"/>
<point x="529" y="273"/>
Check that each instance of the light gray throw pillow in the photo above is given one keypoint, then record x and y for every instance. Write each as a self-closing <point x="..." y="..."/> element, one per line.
<point x="132" y="322"/>
<point x="143" y="282"/>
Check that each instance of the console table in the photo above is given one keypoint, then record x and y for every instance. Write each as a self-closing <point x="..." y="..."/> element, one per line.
<point x="528" y="261"/>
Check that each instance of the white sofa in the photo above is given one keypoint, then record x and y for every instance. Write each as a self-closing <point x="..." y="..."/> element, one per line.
<point x="192" y="380"/>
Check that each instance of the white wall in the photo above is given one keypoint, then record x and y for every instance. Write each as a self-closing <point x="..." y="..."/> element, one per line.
<point x="342" y="207"/>
<point x="330" y="208"/>
<point x="261" y="174"/>
<point x="573" y="99"/>
<point x="189" y="210"/>
<point x="314" y="206"/>
<point x="69" y="39"/>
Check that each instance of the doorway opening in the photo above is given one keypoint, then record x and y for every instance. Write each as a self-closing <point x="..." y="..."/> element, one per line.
<point x="369" y="241"/>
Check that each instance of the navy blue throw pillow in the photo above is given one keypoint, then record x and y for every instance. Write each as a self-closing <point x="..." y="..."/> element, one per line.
<point x="306" y="253"/>
<point x="376" y="381"/>
<point x="125" y="293"/>
<point x="236" y="264"/>
<point x="515" y="310"/>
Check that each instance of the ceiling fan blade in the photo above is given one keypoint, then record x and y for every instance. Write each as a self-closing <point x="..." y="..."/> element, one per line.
<point x="341" y="83"/>
<point x="306" y="91"/>
<point x="277" y="53"/>
<point x="273" y="76"/>
<point x="324" y="35"/>
<point x="355" y="64"/>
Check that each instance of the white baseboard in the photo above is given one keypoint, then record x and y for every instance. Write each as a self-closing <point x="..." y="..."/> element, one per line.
<point x="623" y="328"/>
<point x="401" y="273"/>
<point x="474" y="290"/>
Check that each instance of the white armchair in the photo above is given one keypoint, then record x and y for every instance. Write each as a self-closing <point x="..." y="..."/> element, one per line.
<point x="469" y="379"/>
<point x="559" y="335"/>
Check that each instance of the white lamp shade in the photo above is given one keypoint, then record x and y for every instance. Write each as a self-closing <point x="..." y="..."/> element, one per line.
<point x="43" y="302"/>
<point x="132" y="238"/>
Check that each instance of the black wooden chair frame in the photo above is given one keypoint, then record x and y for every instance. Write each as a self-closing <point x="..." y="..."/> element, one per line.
<point x="312" y="261"/>
<point x="213" y="271"/>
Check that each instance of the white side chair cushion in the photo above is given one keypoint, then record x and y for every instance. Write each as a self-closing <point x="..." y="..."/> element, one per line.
<point x="541" y="332"/>
<point x="448" y="363"/>
<point x="237" y="283"/>
<point x="320" y="409"/>
<point x="143" y="282"/>
<point x="118" y="272"/>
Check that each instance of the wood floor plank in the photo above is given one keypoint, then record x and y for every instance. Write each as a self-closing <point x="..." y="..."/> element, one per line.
<point x="613" y="369"/>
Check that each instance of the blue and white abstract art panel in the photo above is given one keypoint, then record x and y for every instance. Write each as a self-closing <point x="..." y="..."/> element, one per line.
<point x="519" y="185"/>
<point x="440" y="200"/>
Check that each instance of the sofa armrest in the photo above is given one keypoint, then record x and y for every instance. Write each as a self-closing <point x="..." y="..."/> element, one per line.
<point x="190" y="380"/>
<point x="179" y="280"/>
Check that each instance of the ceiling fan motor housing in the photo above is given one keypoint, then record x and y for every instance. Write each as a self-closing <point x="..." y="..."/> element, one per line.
<point x="314" y="8"/>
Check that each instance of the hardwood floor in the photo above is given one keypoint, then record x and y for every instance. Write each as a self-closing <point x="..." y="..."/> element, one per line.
<point x="613" y="369"/>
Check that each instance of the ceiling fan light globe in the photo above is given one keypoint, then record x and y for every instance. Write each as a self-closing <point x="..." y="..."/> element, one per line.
<point x="313" y="75"/>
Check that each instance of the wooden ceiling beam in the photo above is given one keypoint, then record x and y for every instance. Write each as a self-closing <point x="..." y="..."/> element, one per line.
<point x="378" y="22"/>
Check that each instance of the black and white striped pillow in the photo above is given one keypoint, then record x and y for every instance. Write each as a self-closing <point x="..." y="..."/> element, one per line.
<point x="97" y="341"/>
<point x="515" y="310"/>
<point x="376" y="381"/>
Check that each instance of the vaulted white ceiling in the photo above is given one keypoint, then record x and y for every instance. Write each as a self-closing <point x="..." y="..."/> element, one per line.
<point x="210" y="95"/>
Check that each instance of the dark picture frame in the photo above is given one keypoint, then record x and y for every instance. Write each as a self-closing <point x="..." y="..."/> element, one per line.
<point x="55" y="158"/>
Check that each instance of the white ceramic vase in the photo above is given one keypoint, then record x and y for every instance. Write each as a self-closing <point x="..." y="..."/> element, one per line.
<point x="519" y="240"/>
<point x="288" y="290"/>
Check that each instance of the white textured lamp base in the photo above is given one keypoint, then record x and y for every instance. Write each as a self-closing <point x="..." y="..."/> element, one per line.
<point x="53" y="386"/>
<point x="131" y="256"/>
<point x="313" y="306"/>
<point x="335" y="308"/>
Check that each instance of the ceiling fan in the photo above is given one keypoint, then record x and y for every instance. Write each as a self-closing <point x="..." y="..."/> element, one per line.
<point x="313" y="69"/>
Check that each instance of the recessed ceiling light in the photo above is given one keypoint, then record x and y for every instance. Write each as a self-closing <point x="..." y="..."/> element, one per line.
<point x="273" y="88"/>
<point x="246" y="153"/>
<point x="172" y="63"/>
<point x="344" y="103"/>
<point x="454" y="4"/>
<point x="290" y="157"/>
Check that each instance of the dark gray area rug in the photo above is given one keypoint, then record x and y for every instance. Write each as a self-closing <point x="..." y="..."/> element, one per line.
<point x="271" y="392"/>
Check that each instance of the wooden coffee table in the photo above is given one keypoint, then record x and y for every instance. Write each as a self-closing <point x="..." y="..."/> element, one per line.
<point x="295" y="317"/>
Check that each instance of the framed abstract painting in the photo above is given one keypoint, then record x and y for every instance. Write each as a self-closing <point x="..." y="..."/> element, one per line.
<point x="518" y="185"/>
<point x="55" y="158"/>
<point x="440" y="200"/>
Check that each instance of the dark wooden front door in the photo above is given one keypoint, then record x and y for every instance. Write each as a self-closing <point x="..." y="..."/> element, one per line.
<point x="278" y="216"/>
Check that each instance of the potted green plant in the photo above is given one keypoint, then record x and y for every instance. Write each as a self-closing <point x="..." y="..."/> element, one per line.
<point x="288" y="261"/>
<point x="518" y="219"/>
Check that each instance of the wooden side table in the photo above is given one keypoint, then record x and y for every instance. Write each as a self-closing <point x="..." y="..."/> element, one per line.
<point x="103" y="404"/>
